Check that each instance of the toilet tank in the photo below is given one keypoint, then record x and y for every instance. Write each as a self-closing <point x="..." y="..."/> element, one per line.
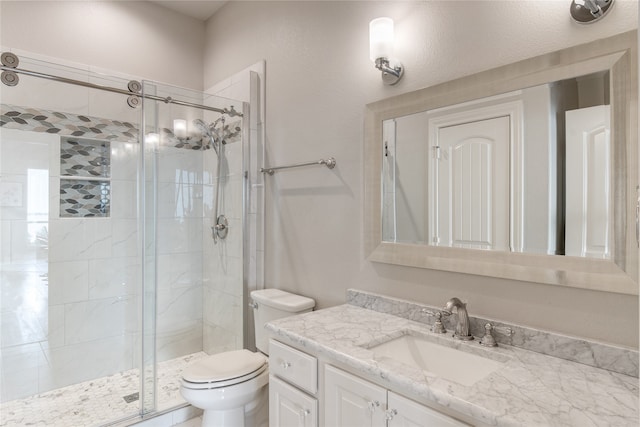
<point x="272" y="304"/>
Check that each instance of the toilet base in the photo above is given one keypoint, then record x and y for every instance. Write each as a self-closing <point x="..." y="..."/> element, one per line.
<point x="230" y="418"/>
<point x="254" y="414"/>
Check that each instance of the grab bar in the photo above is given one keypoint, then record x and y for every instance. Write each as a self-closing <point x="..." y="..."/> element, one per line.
<point x="330" y="163"/>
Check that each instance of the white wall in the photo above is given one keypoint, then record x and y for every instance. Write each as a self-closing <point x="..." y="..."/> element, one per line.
<point x="133" y="37"/>
<point x="319" y="79"/>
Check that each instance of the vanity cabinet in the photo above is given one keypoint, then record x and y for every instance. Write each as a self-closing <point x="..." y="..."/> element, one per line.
<point x="345" y="400"/>
<point x="352" y="401"/>
<point x="293" y="381"/>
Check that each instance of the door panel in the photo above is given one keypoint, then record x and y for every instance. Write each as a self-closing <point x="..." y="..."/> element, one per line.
<point x="472" y="172"/>
<point x="587" y="181"/>
<point x="289" y="407"/>
<point x="351" y="401"/>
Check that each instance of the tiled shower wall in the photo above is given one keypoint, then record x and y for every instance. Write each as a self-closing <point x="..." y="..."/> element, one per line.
<point x="82" y="274"/>
<point x="179" y="290"/>
<point x="83" y="324"/>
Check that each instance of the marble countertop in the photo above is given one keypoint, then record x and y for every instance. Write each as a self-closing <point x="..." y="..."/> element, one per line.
<point x="530" y="389"/>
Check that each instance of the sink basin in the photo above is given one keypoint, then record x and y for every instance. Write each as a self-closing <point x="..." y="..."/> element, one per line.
<point x="452" y="364"/>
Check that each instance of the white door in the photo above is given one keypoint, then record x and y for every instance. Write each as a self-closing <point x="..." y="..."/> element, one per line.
<point x="404" y="412"/>
<point x="289" y="407"/>
<point x="351" y="401"/>
<point x="472" y="185"/>
<point x="587" y="182"/>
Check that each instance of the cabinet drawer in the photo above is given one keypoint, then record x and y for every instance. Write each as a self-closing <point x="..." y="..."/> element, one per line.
<point x="294" y="366"/>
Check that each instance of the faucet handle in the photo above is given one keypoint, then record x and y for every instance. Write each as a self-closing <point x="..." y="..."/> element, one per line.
<point x="437" y="326"/>
<point x="488" y="340"/>
<point x="504" y="330"/>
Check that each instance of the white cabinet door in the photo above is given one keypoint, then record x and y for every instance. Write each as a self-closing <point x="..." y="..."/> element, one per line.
<point x="351" y="401"/>
<point x="290" y="407"/>
<point x="404" y="412"/>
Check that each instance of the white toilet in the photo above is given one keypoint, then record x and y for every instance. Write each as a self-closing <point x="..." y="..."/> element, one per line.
<point x="232" y="387"/>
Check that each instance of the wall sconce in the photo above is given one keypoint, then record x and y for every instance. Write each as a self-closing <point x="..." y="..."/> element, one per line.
<point x="180" y="128"/>
<point x="152" y="140"/>
<point x="588" y="11"/>
<point x="381" y="40"/>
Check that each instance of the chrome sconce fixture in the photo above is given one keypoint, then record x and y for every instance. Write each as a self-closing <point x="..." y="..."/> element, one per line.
<point x="381" y="38"/>
<point x="588" y="11"/>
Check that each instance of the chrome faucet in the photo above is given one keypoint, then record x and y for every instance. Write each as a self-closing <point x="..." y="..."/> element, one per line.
<point x="462" y="328"/>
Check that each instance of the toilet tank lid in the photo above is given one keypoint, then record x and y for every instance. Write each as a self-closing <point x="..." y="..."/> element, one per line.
<point x="282" y="300"/>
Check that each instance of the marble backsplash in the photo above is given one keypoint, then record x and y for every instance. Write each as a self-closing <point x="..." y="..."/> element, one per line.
<point x="599" y="355"/>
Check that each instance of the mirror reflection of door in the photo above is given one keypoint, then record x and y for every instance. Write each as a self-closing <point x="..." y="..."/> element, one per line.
<point x="471" y="169"/>
<point x="587" y="177"/>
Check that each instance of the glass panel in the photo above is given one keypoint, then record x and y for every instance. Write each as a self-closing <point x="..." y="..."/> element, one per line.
<point x="70" y="258"/>
<point x="199" y="280"/>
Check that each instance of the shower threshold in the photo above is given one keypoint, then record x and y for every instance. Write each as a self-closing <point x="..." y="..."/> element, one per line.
<point x="96" y="402"/>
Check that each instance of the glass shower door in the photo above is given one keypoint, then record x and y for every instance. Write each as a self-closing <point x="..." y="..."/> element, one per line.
<point x="194" y="284"/>
<point x="70" y="267"/>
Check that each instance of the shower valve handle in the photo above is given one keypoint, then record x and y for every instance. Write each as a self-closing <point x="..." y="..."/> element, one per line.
<point x="221" y="228"/>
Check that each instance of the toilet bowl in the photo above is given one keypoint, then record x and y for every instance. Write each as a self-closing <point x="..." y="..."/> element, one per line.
<point x="227" y="386"/>
<point x="232" y="387"/>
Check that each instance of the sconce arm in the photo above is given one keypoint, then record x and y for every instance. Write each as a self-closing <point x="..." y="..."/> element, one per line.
<point x="390" y="75"/>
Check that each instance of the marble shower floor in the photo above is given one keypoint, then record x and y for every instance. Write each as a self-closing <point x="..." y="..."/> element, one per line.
<point x="96" y="402"/>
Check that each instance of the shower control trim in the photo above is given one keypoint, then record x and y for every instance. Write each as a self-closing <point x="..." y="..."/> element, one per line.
<point x="221" y="229"/>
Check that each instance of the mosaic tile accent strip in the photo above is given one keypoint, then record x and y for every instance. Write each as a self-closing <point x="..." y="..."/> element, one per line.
<point x="35" y="120"/>
<point x="85" y="157"/>
<point x="231" y="132"/>
<point x="190" y="143"/>
<point x="83" y="198"/>
<point x="67" y="124"/>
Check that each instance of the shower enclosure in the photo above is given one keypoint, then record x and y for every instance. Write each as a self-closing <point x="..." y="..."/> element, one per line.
<point x="111" y="280"/>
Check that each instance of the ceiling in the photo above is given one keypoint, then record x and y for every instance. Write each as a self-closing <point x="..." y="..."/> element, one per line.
<point x="201" y="10"/>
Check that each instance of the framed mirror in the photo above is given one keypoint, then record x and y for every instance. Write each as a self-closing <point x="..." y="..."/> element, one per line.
<point x="526" y="172"/>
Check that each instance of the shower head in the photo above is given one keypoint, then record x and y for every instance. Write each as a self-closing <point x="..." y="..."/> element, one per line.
<point x="212" y="131"/>
<point x="202" y="126"/>
<point x="208" y="129"/>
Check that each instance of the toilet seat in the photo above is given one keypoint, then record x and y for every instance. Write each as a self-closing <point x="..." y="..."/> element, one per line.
<point x="224" y="369"/>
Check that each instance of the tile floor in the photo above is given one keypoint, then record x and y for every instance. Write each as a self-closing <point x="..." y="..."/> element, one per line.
<point x="97" y="402"/>
<point x="193" y="422"/>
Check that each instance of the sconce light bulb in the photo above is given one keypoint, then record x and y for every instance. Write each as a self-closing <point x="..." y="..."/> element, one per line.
<point x="381" y="38"/>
